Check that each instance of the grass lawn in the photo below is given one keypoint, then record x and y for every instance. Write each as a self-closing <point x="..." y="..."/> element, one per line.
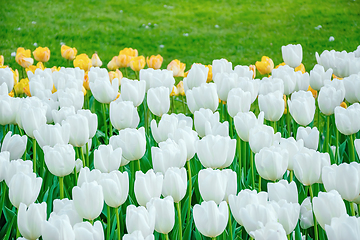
<point x="191" y="31"/>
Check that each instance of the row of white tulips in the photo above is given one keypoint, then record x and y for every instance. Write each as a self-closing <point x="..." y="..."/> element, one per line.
<point x="64" y="131"/>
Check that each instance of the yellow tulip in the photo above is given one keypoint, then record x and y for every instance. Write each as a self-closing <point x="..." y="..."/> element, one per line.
<point x="281" y="64"/>
<point x="11" y="94"/>
<point x="53" y="90"/>
<point x="177" y="67"/>
<point x="253" y="68"/>
<point x="42" y="54"/>
<point x="31" y="68"/>
<point x="40" y="65"/>
<point x="285" y="109"/>
<point x="336" y="77"/>
<point x="83" y="90"/>
<point x="300" y="68"/>
<point x="265" y="66"/>
<point x="95" y="60"/>
<point x="174" y="92"/>
<point x="210" y="75"/>
<point x="16" y="76"/>
<point x="314" y="92"/>
<point x="23" y="57"/>
<point x="114" y="63"/>
<point x="116" y="74"/>
<point x="1" y="60"/>
<point x="55" y="69"/>
<point x="129" y="52"/>
<point x="154" y="61"/>
<point x="68" y="52"/>
<point x="180" y="88"/>
<point x="343" y="104"/>
<point x="124" y="60"/>
<point x="20" y="86"/>
<point x="86" y="81"/>
<point x="83" y="62"/>
<point x="137" y="63"/>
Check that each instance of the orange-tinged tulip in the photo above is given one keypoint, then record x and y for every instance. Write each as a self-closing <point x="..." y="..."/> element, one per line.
<point x="124" y="60"/>
<point x="68" y="52"/>
<point x="23" y="57"/>
<point x="279" y="65"/>
<point x="21" y="86"/>
<point x="137" y="63"/>
<point x="1" y="60"/>
<point x="83" y="90"/>
<point x="177" y="67"/>
<point x="154" y="61"/>
<point x="116" y="74"/>
<point x="343" y="104"/>
<point x="11" y="94"/>
<point x="300" y="68"/>
<point x="129" y="52"/>
<point x="210" y="75"/>
<point x="314" y="92"/>
<point x="180" y="88"/>
<point x="114" y="63"/>
<point x="31" y="68"/>
<point x="27" y="90"/>
<point x="83" y="62"/>
<point x="42" y="54"/>
<point x="265" y="66"/>
<point x="253" y="68"/>
<point x="95" y="60"/>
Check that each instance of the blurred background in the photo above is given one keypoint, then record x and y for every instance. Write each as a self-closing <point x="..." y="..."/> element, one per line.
<point x="191" y="31"/>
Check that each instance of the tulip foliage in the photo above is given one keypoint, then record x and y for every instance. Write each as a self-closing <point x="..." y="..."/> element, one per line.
<point x="208" y="153"/>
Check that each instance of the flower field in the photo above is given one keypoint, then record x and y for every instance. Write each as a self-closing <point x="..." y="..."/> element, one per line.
<point x="214" y="152"/>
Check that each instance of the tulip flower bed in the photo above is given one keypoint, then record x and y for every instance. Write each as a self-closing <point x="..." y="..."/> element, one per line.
<point x="216" y="153"/>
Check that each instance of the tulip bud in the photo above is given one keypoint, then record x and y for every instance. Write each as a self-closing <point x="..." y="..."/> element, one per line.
<point x="288" y="214"/>
<point x="207" y="123"/>
<point x="88" y="200"/>
<point x="67" y="207"/>
<point x="147" y="186"/>
<point x="7" y="76"/>
<point x="246" y="121"/>
<point x="265" y="66"/>
<point x="167" y="125"/>
<point x="220" y="66"/>
<point x="133" y="90"/>
<point x="272" y="230"/>
<point x="210" y="219"/>
<point x="309" y="135"/>
<point x="251" y="86"/>
<point x="175" y="183"/>
<point x="197" y="75"/>
<point x="306" y="214"/>
<point x="141" y="219"/>
<point x="132" y="143"/>
<point x="83" y="62"/>
<point x="292" y="55"/>
<point x="272" y="104"/>
<point x="271" y="84"/>
<point x="102" y="89"/>
<point x="137" y="63"/>
<point x="211" y="158"/>
<point x="58" y="227"/>
<point x="164" y="213"/>
<point x="189" y="136"/>
<point x="204" y="96"/>
<point x="158" y="100"/>
<point x="157" y="78"/>
<point x="15" y="145"/>
<point x="328" y="205"/>
<point x="25" y="188"/>
<point x="32" y="118"/>
<point x="115" y="187"/>
<point x="95" y="60"/>
<point x="168" y="154"/>
<point x="50" y="135"/>
<point x="79" y="129"/>
<point x="302" y="107"/>
<point x="225" y="82"/>
<point x="244" y="71"/>
<point x="86" y="231"/>
<point x="62" y="114"/>
<point x="123" y="115"/>
<point x="154" y="61"/>
<point x="137" y="235"/>
<point x="261" y="136"/>
<point x="293" y="147"/>
<point x="212" y="184"/>
<point x="283" y="190"/>
<point x="271" y="162"/>
<point x="343" y="227"/>
<point x="41" y="54"/>
<point x="346" y="119"/>
<point x="68" y="53"/>
<point x="60" y="159"/>
<point x="30" y="220"/>
<point x="238" y="101"/>
<point x="88" y="176"/>
<point x="23" y="57"/>
<point x="106" y="159"/>
<point x="15" y="166"/>
<point x="177" y="68"/>
<point x="318" y="76"/>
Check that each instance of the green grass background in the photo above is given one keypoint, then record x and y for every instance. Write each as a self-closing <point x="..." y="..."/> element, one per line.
<point x="247" y="29"/>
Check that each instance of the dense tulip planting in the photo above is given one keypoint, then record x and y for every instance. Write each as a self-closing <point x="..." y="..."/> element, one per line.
<point x="88" y="153"/>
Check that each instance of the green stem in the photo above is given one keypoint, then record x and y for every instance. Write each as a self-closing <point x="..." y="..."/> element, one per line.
<point x="147" y="112"/>
<point x="34" y="154"/>
<point x="351" y="148"/>
<point x="239" y="151"/>
<point x="87" y="155"/>
<point x="291" y="175"/>
<point x="138" y="165"/>
<point x="214" y="238"/>
<point x="183" y="103"/>
<point x="189" y="190"/>
<point x="177" y="204"/>
<point x="327" y="136"/>
<point x="231" y="125"/>
<point x="172" y="104"/>
<point x="3" y="195"/>
<point x="61" y="183"/>
<point x="252" y="170"/>
<point x="108" y="224"/>
<point x="288" y="236"/>
<point x="260" y="183"/>
<point x="81" y="155"/>
<point x="103" y="107"/>
<point x="337" y="146"/>
<point x="91" y="221"/>
<point x="76" y="177"/>
<point x="166" y="236"/>
<point x="288" y="119"/>
<point x="273" y="124"/>
<point x="315" y="222"/>
<point x="243" y="157"/>
<point x="230" y="225"/>
<point x="352" y="209"/>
